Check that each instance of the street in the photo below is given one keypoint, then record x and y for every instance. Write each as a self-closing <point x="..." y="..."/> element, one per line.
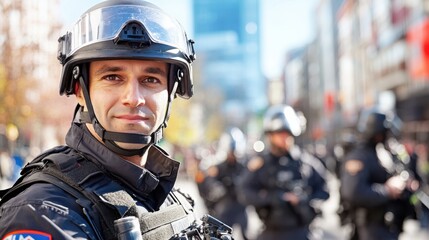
<point x="326" y="227"/>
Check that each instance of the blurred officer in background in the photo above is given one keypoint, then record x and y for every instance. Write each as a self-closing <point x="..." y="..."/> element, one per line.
<point x="378" y="178"/>
<point x="205" y="158"/>
<point x="284" y="183"/>
<point x="342" y="148"/>
<point x="125" y="60"/>
<point x="222" y="179"/>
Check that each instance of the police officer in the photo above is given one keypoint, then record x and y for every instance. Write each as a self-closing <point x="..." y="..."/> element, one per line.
<point x="284" y="183"/>
<point x="125" y="61"/>
<point x="222" y="179"/>
<point x="374" y="188"/>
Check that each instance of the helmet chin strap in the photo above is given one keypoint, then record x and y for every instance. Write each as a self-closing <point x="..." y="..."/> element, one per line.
<point x="110" y="138"/>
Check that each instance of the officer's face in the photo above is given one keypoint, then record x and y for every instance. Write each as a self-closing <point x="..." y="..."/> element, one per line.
<point x="281" y="140"/>
<point x="128" y="96"/>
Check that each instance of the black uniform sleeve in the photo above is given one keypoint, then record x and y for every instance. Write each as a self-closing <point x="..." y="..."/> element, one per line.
<point x="357" y="186"/>
<point x="319" y="186"/>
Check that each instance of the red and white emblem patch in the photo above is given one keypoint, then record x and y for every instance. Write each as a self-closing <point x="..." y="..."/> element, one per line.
<point x="27" y="235"/>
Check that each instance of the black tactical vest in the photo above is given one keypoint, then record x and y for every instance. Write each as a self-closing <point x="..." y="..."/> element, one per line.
<point x="103" y="199"/>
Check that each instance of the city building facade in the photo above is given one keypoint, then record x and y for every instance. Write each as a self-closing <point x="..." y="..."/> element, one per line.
<point x="364" y="48"/>
<point x="228" y="69"/>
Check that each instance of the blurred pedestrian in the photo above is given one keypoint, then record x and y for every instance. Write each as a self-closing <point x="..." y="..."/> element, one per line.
<point x="125" y="61"/>
<point x="284" y="183"/>
<point x="377" y="178"/>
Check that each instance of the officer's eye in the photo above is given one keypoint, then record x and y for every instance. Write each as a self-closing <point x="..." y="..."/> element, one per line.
<point x="111" y="77"/>
<point x="151" y="80"/>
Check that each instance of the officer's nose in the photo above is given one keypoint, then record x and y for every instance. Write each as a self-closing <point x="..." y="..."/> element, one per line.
<point x="133" y="94"/>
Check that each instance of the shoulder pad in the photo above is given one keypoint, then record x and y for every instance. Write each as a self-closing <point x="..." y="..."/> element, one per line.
<point x="39" y="161"/>
<point x="255" y="163"/>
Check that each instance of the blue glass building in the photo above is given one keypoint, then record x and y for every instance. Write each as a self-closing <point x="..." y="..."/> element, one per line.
<point x="228" y="51"/>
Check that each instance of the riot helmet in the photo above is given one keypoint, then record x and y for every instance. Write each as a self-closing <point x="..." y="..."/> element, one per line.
<point x="373" y="122"/>
<point x="125" y="29"/>
<point x="232" y="141"/>
<point x="280" y="118"/>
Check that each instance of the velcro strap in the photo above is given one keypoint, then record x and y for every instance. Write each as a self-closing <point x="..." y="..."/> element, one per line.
<point x="120" y="199"/>
<point x="164" y="223"/>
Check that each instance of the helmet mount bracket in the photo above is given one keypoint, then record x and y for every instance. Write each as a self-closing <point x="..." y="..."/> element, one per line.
<point x="133" y="34"/>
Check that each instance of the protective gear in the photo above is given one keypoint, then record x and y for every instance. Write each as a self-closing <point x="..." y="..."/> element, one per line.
<point x="366" y="202"/>
<point x="125" y="29"/>
<point x="372" y="121"/>
<point x="87" y="179"/>
<point x="282" y="118"/>
<point x="74" y="179"/>
<point x="219" y="187"/>
<point x="298" y="173"/>
<point x="373" y="195"/>
<point x="232" y="141"/>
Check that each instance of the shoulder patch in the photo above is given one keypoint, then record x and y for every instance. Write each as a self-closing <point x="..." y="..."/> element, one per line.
<point x="255" y="163"/>
<point x="353" y="166"/>
<point x="199" y="176"/>
<point x="27" y="234"/>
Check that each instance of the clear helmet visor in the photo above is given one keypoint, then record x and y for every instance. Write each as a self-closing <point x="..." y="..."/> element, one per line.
<point x="281" y="117"/>
<point x="106" y="23"/>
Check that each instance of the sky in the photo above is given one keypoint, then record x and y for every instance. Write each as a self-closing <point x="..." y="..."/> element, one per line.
<point x="285" y="24"/>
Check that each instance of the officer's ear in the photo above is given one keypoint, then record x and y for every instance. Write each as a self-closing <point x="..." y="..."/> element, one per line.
<point x="79" y="94"/>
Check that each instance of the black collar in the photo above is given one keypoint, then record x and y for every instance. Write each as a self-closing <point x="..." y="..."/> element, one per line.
<point x="156" y="179"/>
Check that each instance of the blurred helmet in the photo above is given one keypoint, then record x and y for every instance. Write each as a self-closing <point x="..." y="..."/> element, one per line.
<point x="232" y="141"/>
<point x="282" y="118"/>
<point x="373" y="121"/>
<point x="127" y="29"/>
